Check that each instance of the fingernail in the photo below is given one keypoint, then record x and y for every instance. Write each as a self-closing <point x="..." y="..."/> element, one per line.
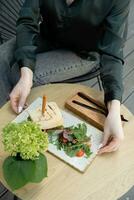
<point x="25" y="106"/>
<point x="20" y="109"/>
<point x="100" y="146"/>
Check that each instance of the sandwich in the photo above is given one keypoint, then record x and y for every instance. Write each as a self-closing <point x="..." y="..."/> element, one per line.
<point x="47" y="117"/>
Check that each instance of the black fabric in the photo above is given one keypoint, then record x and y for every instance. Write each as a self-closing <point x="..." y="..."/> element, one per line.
<point x="9" y="13"/>
<point x="85" y="25"/>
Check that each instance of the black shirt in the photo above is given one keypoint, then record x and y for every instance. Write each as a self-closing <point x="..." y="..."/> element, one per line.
<point x="91" y="25"/>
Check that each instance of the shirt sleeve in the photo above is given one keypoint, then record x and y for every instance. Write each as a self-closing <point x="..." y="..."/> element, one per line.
<point x="27" y="32"/>
<point x="111" y="50"/>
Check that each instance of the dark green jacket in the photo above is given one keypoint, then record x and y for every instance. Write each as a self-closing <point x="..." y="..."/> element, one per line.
<point x="91" y="25"/>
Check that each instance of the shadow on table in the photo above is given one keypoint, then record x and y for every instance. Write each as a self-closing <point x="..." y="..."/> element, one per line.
<point x="5" y="194"/>
<point x="129" y="195"/>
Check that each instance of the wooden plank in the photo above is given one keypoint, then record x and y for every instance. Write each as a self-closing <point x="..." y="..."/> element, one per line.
<point x="131" y="21"/>
<point x="131" y="14"/>
<point x="129" y="103"/>
<point x="128" y="85"/>
<point x="95" y="118"/>
<point x="130" y="30"/>
<point x="129" y="65"/>
<point x="129" y="46"/>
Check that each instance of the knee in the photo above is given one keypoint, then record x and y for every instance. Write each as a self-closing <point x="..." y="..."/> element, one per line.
<point x="4" y="67"/>
<point x="7" y="51"/>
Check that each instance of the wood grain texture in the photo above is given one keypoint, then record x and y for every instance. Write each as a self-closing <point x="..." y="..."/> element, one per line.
<point x="108" y="177"/>
<point x="128" y="85"/>
<point x="129" y="65"/>
<point x="129" y="103"/>
<point x="94" y="118"/>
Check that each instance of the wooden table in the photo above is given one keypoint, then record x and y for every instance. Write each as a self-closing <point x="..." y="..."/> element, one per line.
<point x="107" y="178"/>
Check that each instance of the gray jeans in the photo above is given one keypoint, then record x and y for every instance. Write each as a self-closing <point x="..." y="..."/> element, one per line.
<point x="51" y="66"/>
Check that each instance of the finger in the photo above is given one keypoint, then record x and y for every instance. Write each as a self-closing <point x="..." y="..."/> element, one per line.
<point x="109" y="148"/>
<point x="25" y="105"/>
<point x="14" y="103"/>
<point x="112" y="146"/>
<point x="103" y="144"/>
<point x="22" y="101"/>
<point x="105" y="139"/>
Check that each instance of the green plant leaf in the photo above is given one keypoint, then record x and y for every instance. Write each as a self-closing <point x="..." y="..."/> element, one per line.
<point x="40" y="171"/>
<point x="25" y="138"/>
<point x="80" y="132"/>
<point x="18" y="173"/>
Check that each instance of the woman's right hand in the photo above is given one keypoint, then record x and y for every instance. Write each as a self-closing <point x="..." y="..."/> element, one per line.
<point x="22" y="89"/>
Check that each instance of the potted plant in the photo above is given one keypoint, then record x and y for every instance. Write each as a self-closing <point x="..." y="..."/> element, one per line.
<point x="26" y="144"/>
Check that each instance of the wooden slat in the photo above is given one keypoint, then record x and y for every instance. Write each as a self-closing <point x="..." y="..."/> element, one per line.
<point x="94" y="118"/>
<point x="129" y="65"/>
<point x="131" y="14"/>
<point x="128" y="85"/>
<point x="129" y="47"/>
<point x="129" y="103"/>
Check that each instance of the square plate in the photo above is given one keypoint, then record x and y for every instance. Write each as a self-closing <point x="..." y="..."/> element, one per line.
<point x="80" y="163"/>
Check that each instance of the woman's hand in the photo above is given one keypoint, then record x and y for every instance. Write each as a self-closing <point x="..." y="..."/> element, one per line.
<point x="113" y="131"/>
<point x="22" y="89"/>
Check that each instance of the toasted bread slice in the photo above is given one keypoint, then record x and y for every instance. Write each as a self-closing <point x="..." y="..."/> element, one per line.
<point x="52" y="117"/>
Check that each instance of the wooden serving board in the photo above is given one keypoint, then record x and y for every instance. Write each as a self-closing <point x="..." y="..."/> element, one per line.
<point x="94" y="118"/>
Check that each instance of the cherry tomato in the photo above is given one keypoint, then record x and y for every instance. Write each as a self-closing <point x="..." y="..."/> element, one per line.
<point x="64" y="140"/>
<point x="80" y="153"/>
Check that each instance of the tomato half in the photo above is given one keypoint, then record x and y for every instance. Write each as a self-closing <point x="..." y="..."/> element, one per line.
<point x="80" y="153"/>
<point x="64" y="140"/>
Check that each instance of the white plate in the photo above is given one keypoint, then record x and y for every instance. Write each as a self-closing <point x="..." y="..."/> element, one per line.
<point x="96" y="136"/>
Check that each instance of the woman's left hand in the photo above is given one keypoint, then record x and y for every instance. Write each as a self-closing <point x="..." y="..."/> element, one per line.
<point x="113" y="131"/>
